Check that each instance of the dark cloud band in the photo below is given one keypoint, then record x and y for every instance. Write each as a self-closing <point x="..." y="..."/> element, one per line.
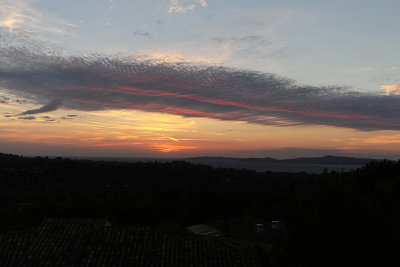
<point x="102" y="82"/>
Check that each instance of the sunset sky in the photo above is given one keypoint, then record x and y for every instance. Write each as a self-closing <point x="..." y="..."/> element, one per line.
<point x="183" y="78"/>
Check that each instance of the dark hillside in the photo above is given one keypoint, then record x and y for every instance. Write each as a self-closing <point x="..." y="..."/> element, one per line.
<point x="332" y="219"/>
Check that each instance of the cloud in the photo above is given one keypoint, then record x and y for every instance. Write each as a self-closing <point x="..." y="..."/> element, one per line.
<point x="162" y="147"/>
<point x="182" y="6"/>
<point x="11" y="20"/>
<point x="18" y="14"/>
<point x="4" y="100"/>
<point x="101" y="82"/>
<point x="380" y="140"/>
<point x="14" y="14"/>
<point x="21" y="101"/>
<point x="27" y="118"/>
<point x="391" y="89"/>
<point x="69" y="117"/>
<point x="140" y="33"/>
<point x="202" y="2"/>
<point x="10" y="101"/>
<point x="53" y="105"/>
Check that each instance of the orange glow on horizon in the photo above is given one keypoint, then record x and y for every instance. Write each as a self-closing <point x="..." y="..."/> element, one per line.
<point x="137" y="133"/>
<point x="168" y="147"/>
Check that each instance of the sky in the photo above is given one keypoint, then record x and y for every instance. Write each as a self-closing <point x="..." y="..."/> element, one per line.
<point x="186" y="78"/>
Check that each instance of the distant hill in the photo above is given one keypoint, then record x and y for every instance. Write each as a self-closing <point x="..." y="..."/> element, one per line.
<point x="331" y="160"/>
<point x="302" y="164"/>
<point x="310" y="165"/>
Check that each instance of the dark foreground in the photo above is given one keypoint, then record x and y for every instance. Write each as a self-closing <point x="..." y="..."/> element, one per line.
<point x="329" y="219"/>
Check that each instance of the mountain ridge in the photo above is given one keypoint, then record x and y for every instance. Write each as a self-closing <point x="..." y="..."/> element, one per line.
<point x="327" y="159"/>
<point x="299" y="164"/>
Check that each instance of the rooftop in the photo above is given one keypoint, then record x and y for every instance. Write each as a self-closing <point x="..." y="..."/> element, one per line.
<point x="93" y="242"/>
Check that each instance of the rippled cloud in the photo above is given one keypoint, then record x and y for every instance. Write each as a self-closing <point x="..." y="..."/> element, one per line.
<point x="50" y="77"/>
